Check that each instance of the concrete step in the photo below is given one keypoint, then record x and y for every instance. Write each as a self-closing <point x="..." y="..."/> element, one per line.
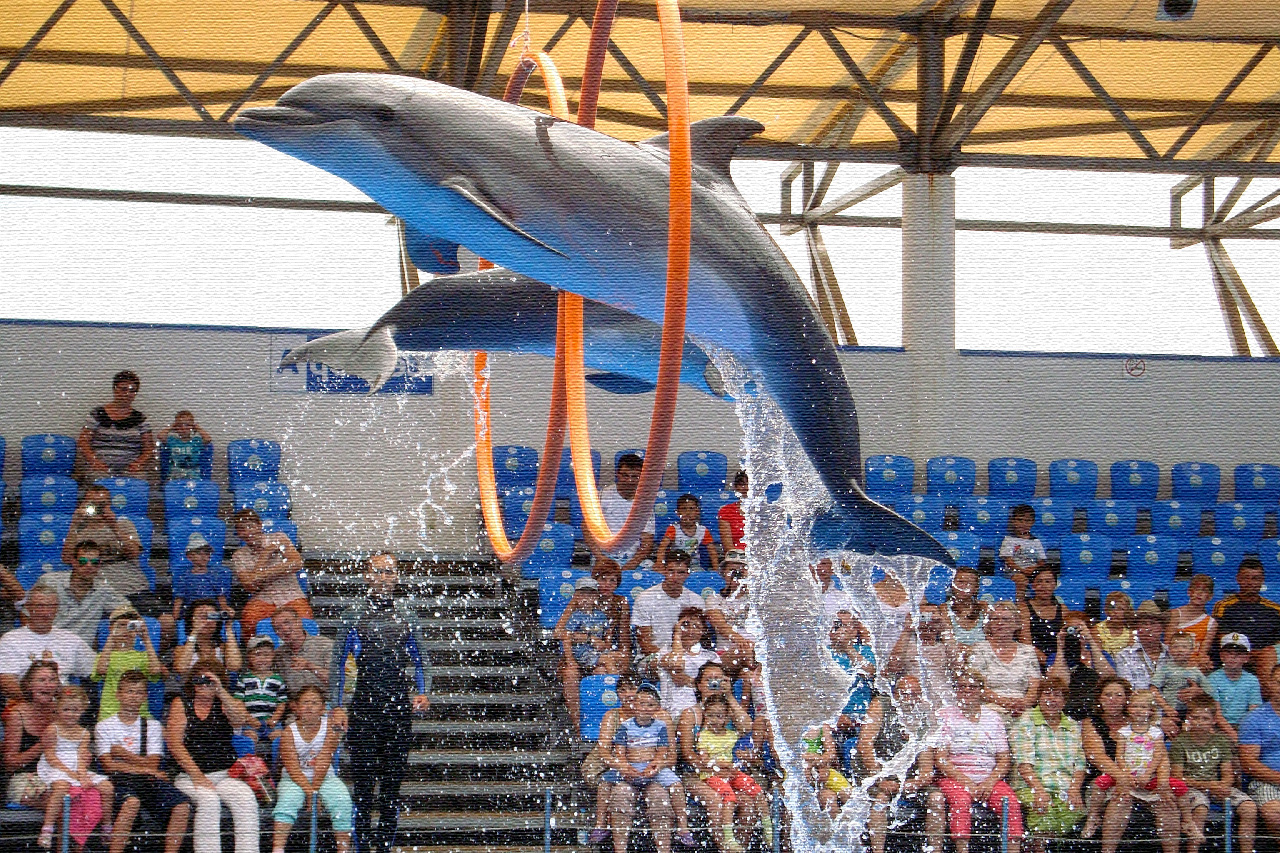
<point x="461" y="600"/>
<point x="473" y="726"/>
<point x="488" y="758"/>
<point x="464" y="628"/>
<point x="483" y="821"/>
<point x="491" y="699"/>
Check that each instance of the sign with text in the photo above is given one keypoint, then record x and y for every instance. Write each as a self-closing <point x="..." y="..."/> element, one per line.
<point x="412" y="374"/>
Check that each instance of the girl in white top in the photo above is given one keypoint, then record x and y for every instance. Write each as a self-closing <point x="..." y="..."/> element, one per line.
<point x="64" y="767"/>
<point x="1020" y="552"/>
<point x="306" y="752"/>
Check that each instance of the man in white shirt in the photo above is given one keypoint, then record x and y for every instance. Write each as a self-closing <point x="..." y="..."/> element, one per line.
<point x="615" y="503"/>
<point x="1137" y="663"/>
<point x="39" y="640"/>
<point x="658" y="607"/>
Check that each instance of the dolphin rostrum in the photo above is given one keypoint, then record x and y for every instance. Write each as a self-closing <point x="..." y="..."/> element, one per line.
<point x="584" y="212"/>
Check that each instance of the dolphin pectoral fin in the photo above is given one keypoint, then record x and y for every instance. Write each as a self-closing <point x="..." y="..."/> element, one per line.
<point x="358" y="352"/>
<point x="468" y="190"/>
<point x="867" y="527"/>
<point x="430" y="254"/>
<point x="620" y="383"/>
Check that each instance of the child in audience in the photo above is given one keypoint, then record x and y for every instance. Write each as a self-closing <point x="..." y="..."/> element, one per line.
<point x="716" y="742"/>
<point x="185" y="441"/>
<point x="688" y="533"/>
<point x="644" y="753"/>
<point x="819" y="756"/>
<point x="1140" y="750"/>
<point x="1204" y="759"/>
<point x="120" y="656"/>
<point x="1020" y="552"/>
<point x="1177" y="674"/>
<point x="1194" y="618"/>
<point x="853" y="653"/>
<point x="306" y="752"/>
<point x="200" y="582"/>
<point x="130" y="748"/>
<point x="628" y="685"/>
<point x="1116" y="631"/>
<point x="1236" y="691"/>
<point x="263" y="693"/>
<point x="64" y="767"/>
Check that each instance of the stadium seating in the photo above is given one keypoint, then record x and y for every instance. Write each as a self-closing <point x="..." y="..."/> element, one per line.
<point x="1257" y="482"/>
<point x="1178" y="594"/>
<point x="1196" y="482"/>
<point x="1138" y="589"/>
<point x="516" y="507"/>
<point x="514" y="467"/>
<point x="566" y="485"/>
<point x="213" y="529"/>
<point x="985" y="518"/>
<point x="1054" y="519"/>
<point x="701" y="471"/>
<point x="252" y="460"/>
<point x="888" y="477"/>
<point x="48" y="454"/>
<point x="1074" y="592"/>
<point x="1152" y="557"/>
<point x="206" y="462"/>
<point x="711" y="504"/>
<point x="1012" y="478"/>
<point x="597" y="694"/>
<point x="927" y="511"/>
<point x="1217" y="557"/>
<point x="554" y="591"/>
<point x="1269" y="554"/>
<point x="1241" y="519"/>
<point x="52" y="493"/>
<point x="1176" y="518"/>
<point x="1134" y="480"/>
<point x="1113" y="518"/>
<point x="267" y="499"/>
<point x="28" y="574"/>
<point x="191" y="497"/>
<point x="553" y="552"/>
<point x="950" y="475"/>
<point x="963" y="547"/>
<point x="996" y="588"/>
<point x="146" y="530"/>
<point x="635" y="582"/>
<point x="938" y="587"/>
<point x="1075" y="479"/>
<point x="704" y="583"/>
<point x="129" y="495"/>
<point x="1086" y="555"/>
<point x="40" y="537"/>
<point x="664" y="510"/>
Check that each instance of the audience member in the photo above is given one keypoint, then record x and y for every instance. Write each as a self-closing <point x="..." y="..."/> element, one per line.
<point x="1020" y="552"/>
<point x="184" y="442"/>
<point x="11" y="594"/>
<point x="852" y="652"/>
<point x="644" y="755"/>
<point x="1193" y="617"/>
<point x="679" y="666"/>
<point x="130" y="749"/>
<point x="596" y="766"/>
<point x="302" y="660"/>
<point x="594" y="631"/>
<point x="1115" y="632"/>
<point x="730" y="519"/>
<point x="1010" y="670"/>
<point x="267" y="566"/>
<point x="95" y="521"/>
<point x="200" y="580"/>
<point x="819" y="755"/>
<point x="927" y="652"/>
<point x="658" y="608"/>
<point x="1260" y="754"/>
<point x="116" y="441"/>
<point x="263" y="693"/>
<point x="963" y="611"/>
<point x="306" y="755"/>
<point x="688" y="534"/>
<point x="84" y="599"/>
<point x="729" y="611"/>
<point x="1137" y="662"/>
<point x="1177" y="679"/>
<point x="1048" y="755"/>
<point x="1247" y="612"/>
<point x="1044" y="618"/>
<point x="120" y="655"/>
<point x="1236" y="690"/>
<point x="742" y="799"/>
<point x="209" y="638"/>
<point x="1204" y="759"/>
<point x="834" y="598"/>
<point x="39" y="640"/>
<point x="615" y="502"/>
<point x="25" y="722"/>
<point x="64" y="767"/>
<point x="1082" y="679"/>
<point x="198" y="734"/>
<point x="890" y="617"/>
<point x="889" y="727"/>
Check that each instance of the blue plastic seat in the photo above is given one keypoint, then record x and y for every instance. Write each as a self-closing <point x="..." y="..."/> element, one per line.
<point x="129" y="495"/>
<point x="516" y="507"/>
<point x="995" y="588"/>
<point x="145" y="533"/>
<point x="191" y="497"/>
<point x="1073" y="591"/>
<point x="888" y="477"/>
<point x="206" y="461"/>
<point x="597" y="694"/>
<point x="1241" y="519"/>
<point x="515" y="467"/>
<point x="1054" y="518"/>
<point x="28" y="574"/>
<point x="267" y="499"/>
<point x="1196" y="482"/>
<point x="637" y="581"/>
<point x="48" y="454"/>
<point x="1012" y="478"/>
<point x="704" y="583"/>
<point x="40" y="537"/>
<point x="950" y="475"/>
<point x="1113" y="518"/>
<point x="1178" y="594"/>
<point x="555" y="588"/>
<point x="1218" y="557"/>
<point x="1138" y="589"/>
<point x="1176" y="518"/>
<point x="701" y="471"/>
<point x="566" y="485"/>
<point x="711" y="506"/>
<point x="1075" y="479"/>
<point x="1257" y="482"/>
<point x="252" y="460"/>
<point x="985" y="518"/>
<point x="553" y="552"/>
<point x="938" y="587"/>
<point x="1152" y="557"/>
<point x="1086" y="555"/>
<point x="664" y="510"/>
<point x="53" y="493"/>
<point x="214" y="530"/>
<point x="1269" y="554"/>
<point x="1135" y="480"/>
<point x="963" y="547"/>
<point x="926" y="511"/>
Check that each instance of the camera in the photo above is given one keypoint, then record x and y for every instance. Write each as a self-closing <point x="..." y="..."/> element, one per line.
<point x="202" y="681"/>
<point x="214" y="616"/>
<point x="134" y="625"/>
<point x="715" y="684"/>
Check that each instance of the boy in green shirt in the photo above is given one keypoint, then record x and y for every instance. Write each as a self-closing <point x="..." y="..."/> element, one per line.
<point x="1204" y="758"/>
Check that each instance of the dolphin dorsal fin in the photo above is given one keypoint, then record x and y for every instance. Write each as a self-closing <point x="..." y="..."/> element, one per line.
<point x="714" y="140"/>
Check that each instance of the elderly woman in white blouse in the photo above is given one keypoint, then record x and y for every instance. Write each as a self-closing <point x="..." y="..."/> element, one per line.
<point x="1011" y="669"/>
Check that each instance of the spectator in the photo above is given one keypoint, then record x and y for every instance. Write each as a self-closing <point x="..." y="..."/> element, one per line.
<point x="120" y="655"/>
<point x="209" y="638"/>
<point x="1044" y="618"/>
<point x="116" y="441"/>
<point x="1177" y="679"/>
<point x="1236" y="691"/>
<point x="728" y="611"/>
<point x="643" y="755"/>
<point x="615" y="502"/>
<point x="185" y="442"/>
<point x="679" y="666"/>
<point x="64" y="767"/>
<point x="25" y="722"/>
<point x="927" y="652"/>
<point x="302" y="660"/>
<point x="198" y="734"/>
<point x="1116" y="631"/>
<point x="1082" y="679"/>
<point x="1260" y="754"/>
<point x="1010" y="670"/>
<point x="890" y="617"/>
<point x="730" y="518"/>
<point x="820" y="756"/>
<point x="1247" y="612"/>
<point x="84" y="599"/>
<point x="688" y="534"/>
<point x="39" y="640"/>
<point x="130" y="749"/>
<point x="1138" y="662"/>
<point x="594" y="631"/>
<point x="596" y="765"/>
<point x="306" y="752"/>
<point x="200" y="580"/>
<point x="834" y="598"/>
<point x="118" y="546"/>
<point x="962" y="609"/>
<point x="1049" y="758"/>
<point x="719" y="771"/>
<point x="263" y="694"/>
<point x="971" y="751"/>
<point x="658" y="607"/>
<point x="267" y="566"/>
<point x="1020" y="552"/>
<point x="1193" y="617"/>
<point x="853" y="653"/>
<point x="1204" y="760"/>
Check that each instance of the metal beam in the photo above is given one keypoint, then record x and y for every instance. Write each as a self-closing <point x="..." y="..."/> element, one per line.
<point x="372" y="37"/>
<point x="417" y="48"/>
<point x="1265" y="147"/>
<point x="634" y="73"/>
<point x="871" y="188"/>
<point x="85" y="194"/>
<point x="1245" y="220"/>
<point x="904" y="134"/>
<point x="1105" y="97"/>
<point x="1234" y="285"/>
<point x="1271" y="196"/>
<point x="978" y="26"/>
<point x="1226" y="304"/>
<point x="768" y="71"/>
<point x="825" y="278"/>
<point x="278" y="61"/>
<point x="36" y="37"/>
<point x="498" y="47"/>
<point x="931" y="47"/>
<point x="1217" y="102"/>
<point x="156" y="59"/>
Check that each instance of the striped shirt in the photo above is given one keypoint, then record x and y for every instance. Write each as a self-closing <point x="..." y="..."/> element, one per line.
<point x="261" y="696"/>
<point x="117" y="443"/>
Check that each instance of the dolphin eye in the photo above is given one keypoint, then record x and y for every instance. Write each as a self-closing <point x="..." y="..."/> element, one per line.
<point x="384" y="113"/>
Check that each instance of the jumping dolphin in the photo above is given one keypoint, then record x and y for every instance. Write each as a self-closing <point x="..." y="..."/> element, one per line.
<point x="584" y="212"/>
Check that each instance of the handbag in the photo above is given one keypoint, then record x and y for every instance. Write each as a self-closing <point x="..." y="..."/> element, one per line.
<point x="253" y="771"/>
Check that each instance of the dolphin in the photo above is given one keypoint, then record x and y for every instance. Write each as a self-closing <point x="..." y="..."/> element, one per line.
<point x="585" y="212"/>
<point x="499" y="310"/>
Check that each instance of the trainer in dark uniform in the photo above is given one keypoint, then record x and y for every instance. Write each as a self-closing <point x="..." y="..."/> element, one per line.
<point x="382" y="634"/>
<point x="1247" y="612"/>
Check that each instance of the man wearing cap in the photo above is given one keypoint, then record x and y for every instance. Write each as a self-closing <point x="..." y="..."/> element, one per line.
<point x="84" y="599"/>
<point x="1236" y="691"/>
<point x="1247" y="612"/>
<point x="1137" y="662"/>
<point x="39" y="640"/>
<point x="201" y="581"/>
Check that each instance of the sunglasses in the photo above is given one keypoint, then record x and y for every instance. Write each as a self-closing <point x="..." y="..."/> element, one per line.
<point x="88" y="561"/>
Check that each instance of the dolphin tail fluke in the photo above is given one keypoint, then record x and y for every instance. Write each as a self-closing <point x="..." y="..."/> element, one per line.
<point x="358" y="352"/>
<point x="867" y="527"/>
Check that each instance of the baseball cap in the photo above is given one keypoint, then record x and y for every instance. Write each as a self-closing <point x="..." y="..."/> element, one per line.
<point x="261" y="640"/>
<point x="1235" y="638"/>
<point x="196" y="541"/>
<point x="585" y="583"/>
<point x="735" y="555"/>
